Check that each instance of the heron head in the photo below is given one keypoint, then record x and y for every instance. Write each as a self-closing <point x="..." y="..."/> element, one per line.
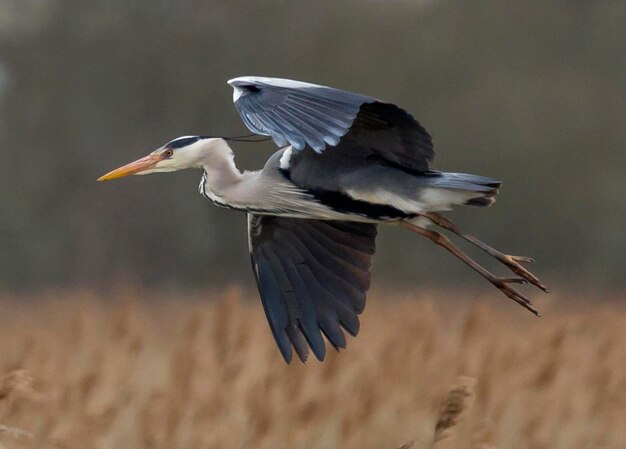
<point x="178" y="154"/>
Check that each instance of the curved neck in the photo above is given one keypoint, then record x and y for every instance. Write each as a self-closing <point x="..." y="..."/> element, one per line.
<point x="219" y="167"/>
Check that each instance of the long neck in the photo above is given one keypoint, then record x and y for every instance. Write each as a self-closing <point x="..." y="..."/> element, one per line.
<point x="220" y="172"/>
<point x="223" y="183"/>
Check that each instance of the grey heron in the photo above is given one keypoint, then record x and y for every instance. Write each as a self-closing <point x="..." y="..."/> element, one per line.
<point x="346" y="163"/>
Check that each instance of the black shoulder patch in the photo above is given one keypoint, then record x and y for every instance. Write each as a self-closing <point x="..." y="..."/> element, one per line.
<point x="344" y="203"/>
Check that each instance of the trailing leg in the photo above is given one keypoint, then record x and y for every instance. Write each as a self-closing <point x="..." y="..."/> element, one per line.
<point x="512" y="262"/>
<point x="501" y="284"/>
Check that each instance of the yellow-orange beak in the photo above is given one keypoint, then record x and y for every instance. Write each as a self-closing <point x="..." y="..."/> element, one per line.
<point x="145" y="163"/>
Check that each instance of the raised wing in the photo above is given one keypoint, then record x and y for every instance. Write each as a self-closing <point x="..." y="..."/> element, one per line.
<point x="312" y="276"/>
<point x="308" y="115"/>
<point x="295" y="112"/>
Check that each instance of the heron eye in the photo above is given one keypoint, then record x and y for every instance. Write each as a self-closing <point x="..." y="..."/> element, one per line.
<point x="168" y="153"/>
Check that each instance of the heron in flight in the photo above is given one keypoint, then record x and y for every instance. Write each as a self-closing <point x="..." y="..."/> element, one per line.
<point x="346" y="163"/>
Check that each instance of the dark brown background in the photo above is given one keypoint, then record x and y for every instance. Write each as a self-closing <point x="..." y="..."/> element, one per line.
<point x="532" y="93"/>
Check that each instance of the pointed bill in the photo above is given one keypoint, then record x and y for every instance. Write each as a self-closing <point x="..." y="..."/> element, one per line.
<point x="145" y="163"/>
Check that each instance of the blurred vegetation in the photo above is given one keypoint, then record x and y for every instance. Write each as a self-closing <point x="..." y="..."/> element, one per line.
<point x="80" y="371"/>
<point x="531" y="93"/>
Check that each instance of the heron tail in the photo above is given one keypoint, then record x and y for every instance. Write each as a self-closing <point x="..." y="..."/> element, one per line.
<point x="466" y="189"/>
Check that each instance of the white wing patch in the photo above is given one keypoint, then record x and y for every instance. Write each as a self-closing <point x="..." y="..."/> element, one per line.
<point x="237" y="93"/>
<point x="285" y="159"/>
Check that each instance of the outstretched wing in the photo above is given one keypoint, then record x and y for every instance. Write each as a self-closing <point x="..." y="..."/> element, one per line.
<point x="312" y="276"/>
<point x="312" y="117"/>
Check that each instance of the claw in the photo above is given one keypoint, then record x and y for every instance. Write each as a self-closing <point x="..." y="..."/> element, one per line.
<point x="512" y="262"/>
<point x="515" y="296"/>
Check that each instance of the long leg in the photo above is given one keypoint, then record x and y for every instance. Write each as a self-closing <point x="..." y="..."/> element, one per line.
<point x="512" y="262"/>
<point x="501" y="284"/>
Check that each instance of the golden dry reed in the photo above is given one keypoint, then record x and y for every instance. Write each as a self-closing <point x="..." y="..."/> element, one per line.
<point x="140" y="371"/>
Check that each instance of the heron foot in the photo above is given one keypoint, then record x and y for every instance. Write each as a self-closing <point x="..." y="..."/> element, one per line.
<point x="501" y="283"/>
<point x="513" y="263"/>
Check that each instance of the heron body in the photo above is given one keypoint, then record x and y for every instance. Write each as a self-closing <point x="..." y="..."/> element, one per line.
<point x="396" y="195"/>
<point x="347" y="163"/>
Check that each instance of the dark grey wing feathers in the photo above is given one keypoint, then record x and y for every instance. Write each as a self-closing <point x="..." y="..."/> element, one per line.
<point x="337" y="280"/>
<point x="312" y="276"/>
<point x="396" y="136"/>
<point x="275" y="308"/>
<point x="293" y="264"/>
<point x="358" y="129"/>
<point x="360" y="240"/>
<point x="289" y="328"/>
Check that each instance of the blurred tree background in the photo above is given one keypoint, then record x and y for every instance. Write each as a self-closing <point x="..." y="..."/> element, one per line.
<point x="533" y="93"/>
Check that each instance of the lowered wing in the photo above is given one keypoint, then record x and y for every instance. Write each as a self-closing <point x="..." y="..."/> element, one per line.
<point x="312" y="276"/>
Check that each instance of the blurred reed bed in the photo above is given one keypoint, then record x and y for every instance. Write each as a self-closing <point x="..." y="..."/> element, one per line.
<point x="138" y="370"/>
